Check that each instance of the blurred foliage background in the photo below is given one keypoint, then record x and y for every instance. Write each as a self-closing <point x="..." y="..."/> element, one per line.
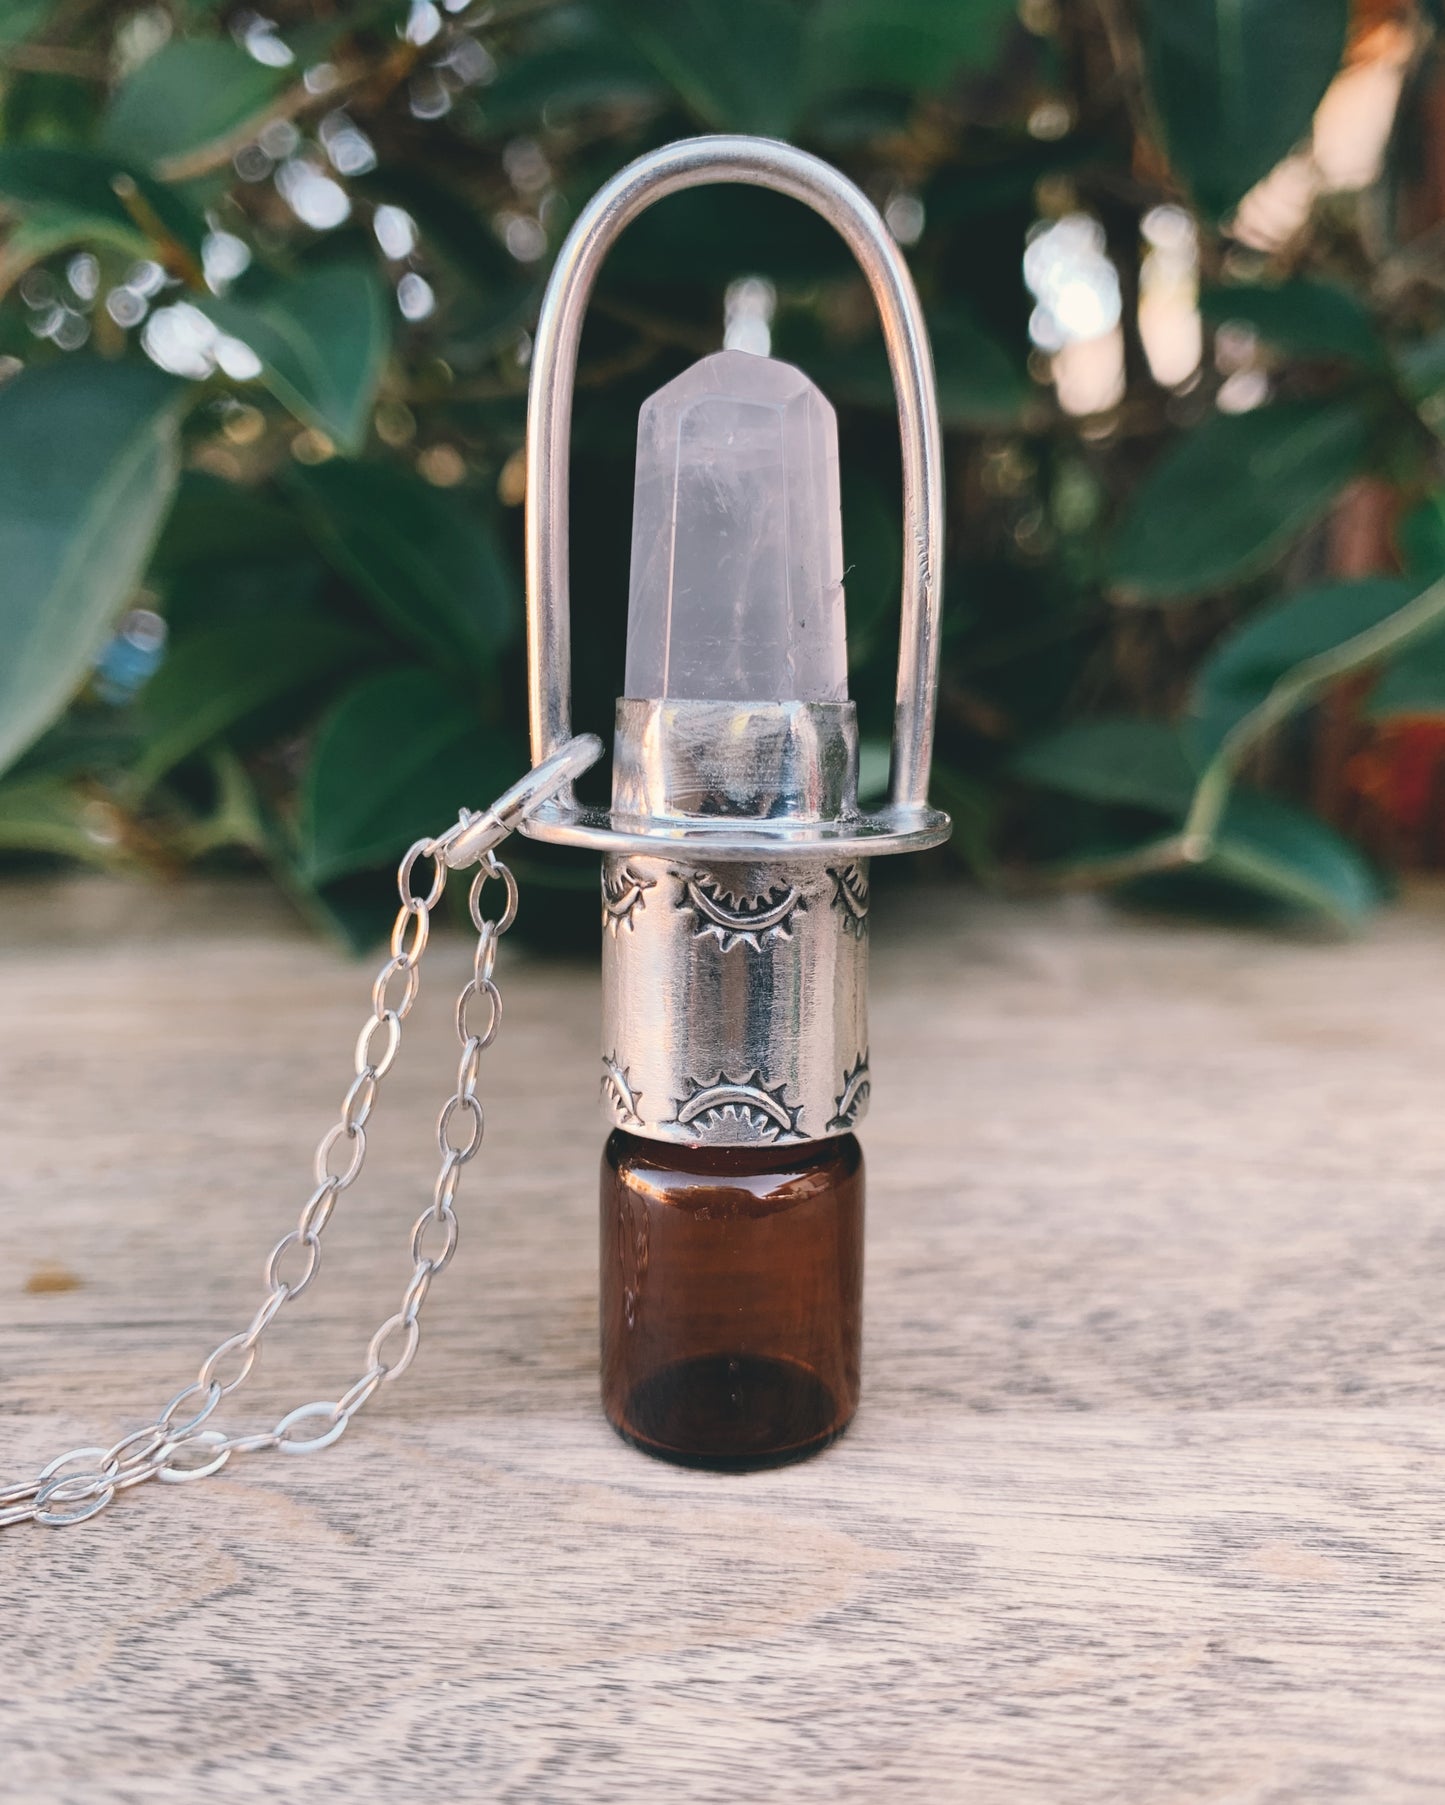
<point x="266" y="287"/>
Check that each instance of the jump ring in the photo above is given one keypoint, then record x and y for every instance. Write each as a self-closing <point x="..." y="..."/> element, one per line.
<point x="352" y="1399"/>
<point x="408" y="1353"/>
<point x="479" y="987"/>
<point x="448" y="1181"/>
<point x="316" y="1213"/>
<point x="492" y="867"/>
<point x="421" y="849"/>
<point x="484" y="959"/>
<point x="357" y="1137"/>
<point x="301" y="1414"/>
<point x="172" y="1474"/>
<point x="245" y="1342"/>
<point x="415" y="1294"/>
<point x="273" y="1279"/>
<point x="473" y="1106"/>
<point x="353" y="1115"/>
<point x="267" y="1312"/>
<point x="50" y="1474"/>
<point x="412" y="909"/>
<point x="437" y="1261"/>
<point x="411" y="983"/>
<point x="365" y="1061"/>
<point x="179" y="1431"/>
<point x="135" y="1450"/>
<point x="87" y="1493"/>
<point x="469" y="1067"/>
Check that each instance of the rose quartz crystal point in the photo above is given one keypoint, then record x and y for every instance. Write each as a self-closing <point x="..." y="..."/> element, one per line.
<point x="737" y="539"/>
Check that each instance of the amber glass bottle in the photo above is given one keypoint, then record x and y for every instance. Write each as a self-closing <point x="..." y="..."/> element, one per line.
<point x="732" y="1293"/>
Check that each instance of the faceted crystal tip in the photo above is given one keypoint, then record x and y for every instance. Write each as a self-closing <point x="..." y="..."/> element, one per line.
<point x="737" y="539"/>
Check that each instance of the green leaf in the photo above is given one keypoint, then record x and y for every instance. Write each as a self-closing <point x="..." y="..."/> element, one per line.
<point x="46" y="230"/>
<point x="43" y="813"/>
<point x="1417" y="616"/>
<point x="198" y="595"/>
<point x="1310" y="319"/>
<point x="192" y="93"/>
<point x="21" y="19"/>
<point x="355" y="911"/>
<point x="94" y="741"/>
<point x="1226" y="500"/>
<point x="973" y="806"/>
<point x="910" y="45"/>
<point x="1245" y="667"/>
<point x="322" y="339"/>
<point x="42" y="108"/>
<point x="1422" y="365"/>
<point x="1413" y="684"/>
<point x="219" y="674"/>
<point x="397" y="758"/>
<point x="1116" y="761"/>
<point x="599" y="71"/>
<point x="1421" y="538"/>
<point x="220" y="524"/>
<point x="236" y="817"/>
<point x="427" y="558"/>
<point x="1260" y="844"/>
<point x="978" y="383"/>
<point x="88" y="463"/>
<point x="736" y="67"/>
<point x="1235" y="84"/>
<point x="873" y="554"/>
<point x="1279" y="851"/>
<point x="1422" y="376"/>
<point x="102" y="195"/>
<point x="705" y="235"/>
<point x="874" y="760"/>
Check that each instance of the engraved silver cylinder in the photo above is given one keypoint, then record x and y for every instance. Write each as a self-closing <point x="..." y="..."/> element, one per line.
<point x="734" y="1000"/>
<point x="734" y="993"/>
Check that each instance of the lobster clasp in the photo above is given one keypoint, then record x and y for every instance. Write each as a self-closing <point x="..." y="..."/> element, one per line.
<point x="475" y="835"/>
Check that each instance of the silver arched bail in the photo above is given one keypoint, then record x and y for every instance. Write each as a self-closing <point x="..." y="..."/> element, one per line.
<point x="907" y="823"/>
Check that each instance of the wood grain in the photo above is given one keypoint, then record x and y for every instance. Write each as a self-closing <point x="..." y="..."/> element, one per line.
<point x="1144" y="1502"/>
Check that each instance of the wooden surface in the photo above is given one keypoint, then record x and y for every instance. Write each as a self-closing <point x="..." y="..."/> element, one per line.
<point x="1145" y="1502"/>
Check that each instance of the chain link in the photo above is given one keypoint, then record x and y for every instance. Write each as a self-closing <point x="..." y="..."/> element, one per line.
<point x="180" y="1445"/>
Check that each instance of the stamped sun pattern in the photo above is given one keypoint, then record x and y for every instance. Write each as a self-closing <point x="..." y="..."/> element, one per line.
<point x="624" y="896"/>
<point x="857" y="1088"/>
<point x="735" y="917"/>
<point x="738" y="1110"/>
<point x="851" y="894"/>
<point x="619" y="1090"/>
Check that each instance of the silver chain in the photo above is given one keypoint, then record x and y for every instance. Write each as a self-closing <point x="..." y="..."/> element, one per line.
<point x="178" y="1446"/>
